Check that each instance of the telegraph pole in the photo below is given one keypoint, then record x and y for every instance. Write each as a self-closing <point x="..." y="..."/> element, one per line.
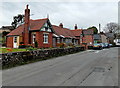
<point x="99" y="27"/>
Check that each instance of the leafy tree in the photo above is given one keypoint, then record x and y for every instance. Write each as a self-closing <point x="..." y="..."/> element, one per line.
<point x="17" y="20"/>
<point x="95" y="29"/>
<point x="4" y="33"/>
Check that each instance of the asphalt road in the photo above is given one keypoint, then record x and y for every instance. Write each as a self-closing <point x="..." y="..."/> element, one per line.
<point x="88" y="68"/>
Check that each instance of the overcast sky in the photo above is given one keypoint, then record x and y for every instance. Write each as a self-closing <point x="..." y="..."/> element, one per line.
<point x="84" y="14"/>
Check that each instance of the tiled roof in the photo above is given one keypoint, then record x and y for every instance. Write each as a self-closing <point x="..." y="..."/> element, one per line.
<point x="97" y="36"/>
<point x="77" y="32"/>
<point x="17" y="31"/>
<point x="34" y="25"/>
<point x="37" y="24"/>
<point x="88" y="31"/>
<point x="63" y="31"/>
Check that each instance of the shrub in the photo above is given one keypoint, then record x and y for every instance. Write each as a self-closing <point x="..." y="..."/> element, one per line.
<point x="21" y="42"/>
<point x="61" y="45"/>
<point x="29" y="46"/>
<point x="98" y="42"/>
<point x="22" y="46"/>
<point x="71" y="45"/>
<point x="90" y="47"/>
<point x="36" y="44"/>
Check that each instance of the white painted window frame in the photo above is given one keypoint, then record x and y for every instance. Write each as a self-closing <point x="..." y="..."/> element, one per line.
<point x="45" y="38"/>
<point x="34" y="38"/>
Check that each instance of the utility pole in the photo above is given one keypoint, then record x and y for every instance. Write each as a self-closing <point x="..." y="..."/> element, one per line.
<point x="99" y="27"/>
<point x="48" y="16"/>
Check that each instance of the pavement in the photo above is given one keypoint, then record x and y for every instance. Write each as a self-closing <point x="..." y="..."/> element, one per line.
<point x="88" y="68"/>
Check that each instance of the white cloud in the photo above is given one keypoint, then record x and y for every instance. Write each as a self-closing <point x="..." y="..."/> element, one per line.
<point x="60" y="0"/>
<point x="84" y="14"/>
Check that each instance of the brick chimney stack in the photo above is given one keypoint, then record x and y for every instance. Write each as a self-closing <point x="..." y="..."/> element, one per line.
<point x="61" y="25"/>
<point x="76" y="26"/>
<point x="26" y="26"/>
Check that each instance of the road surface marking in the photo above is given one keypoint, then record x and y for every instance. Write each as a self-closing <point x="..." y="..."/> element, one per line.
<point x="97" y="51"/>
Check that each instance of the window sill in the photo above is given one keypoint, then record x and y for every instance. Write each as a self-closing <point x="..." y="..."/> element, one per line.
<point x="45" y="43"/>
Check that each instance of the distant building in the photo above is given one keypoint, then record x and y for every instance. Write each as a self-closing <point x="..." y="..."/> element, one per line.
<point x="78" y="34"/>
<point x="6" y="29"/>
<point x="104" y="38"/>
<point x="97" y="38"/>
<point x="87" y="37"/>
<point x="110" y="37"/>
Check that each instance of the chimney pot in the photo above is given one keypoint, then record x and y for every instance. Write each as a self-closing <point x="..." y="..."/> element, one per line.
<point x="76" y="26"/>
<point x="61" y="25"/>
<point x="27" y="6"/>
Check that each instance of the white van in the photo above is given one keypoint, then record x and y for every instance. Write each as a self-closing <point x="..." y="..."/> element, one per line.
<point x="117" y="42"/>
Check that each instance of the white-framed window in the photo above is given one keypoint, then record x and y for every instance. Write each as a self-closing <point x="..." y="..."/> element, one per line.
<point x="34" y="38"/>
<point x="45" y="38"/>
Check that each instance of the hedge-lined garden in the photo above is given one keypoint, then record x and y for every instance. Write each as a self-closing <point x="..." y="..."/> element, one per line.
<point x="19" y="58"/>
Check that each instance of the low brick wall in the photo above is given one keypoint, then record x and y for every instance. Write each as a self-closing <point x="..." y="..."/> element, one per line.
<point x="19" y="58"/>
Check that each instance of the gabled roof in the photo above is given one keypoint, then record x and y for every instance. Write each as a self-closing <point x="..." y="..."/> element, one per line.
<point x="37" y="24"/>
<point x="77" y="32"/>
<point x="63" y="31"/>
<point x="34" y="25"/>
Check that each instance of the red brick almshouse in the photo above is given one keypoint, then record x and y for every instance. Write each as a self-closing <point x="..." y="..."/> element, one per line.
<point x="46" y="34"/>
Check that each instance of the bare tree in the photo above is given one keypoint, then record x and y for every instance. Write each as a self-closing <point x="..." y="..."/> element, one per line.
<point x="111" y="27"/>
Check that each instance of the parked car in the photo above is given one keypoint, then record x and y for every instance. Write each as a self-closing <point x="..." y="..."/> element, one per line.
<point x="105" y="45"/>
<point x="110" y="45"/>
<point x="97" y="46"/>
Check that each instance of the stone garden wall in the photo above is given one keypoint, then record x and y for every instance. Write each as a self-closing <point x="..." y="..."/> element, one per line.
<point x="19" y="58"/>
